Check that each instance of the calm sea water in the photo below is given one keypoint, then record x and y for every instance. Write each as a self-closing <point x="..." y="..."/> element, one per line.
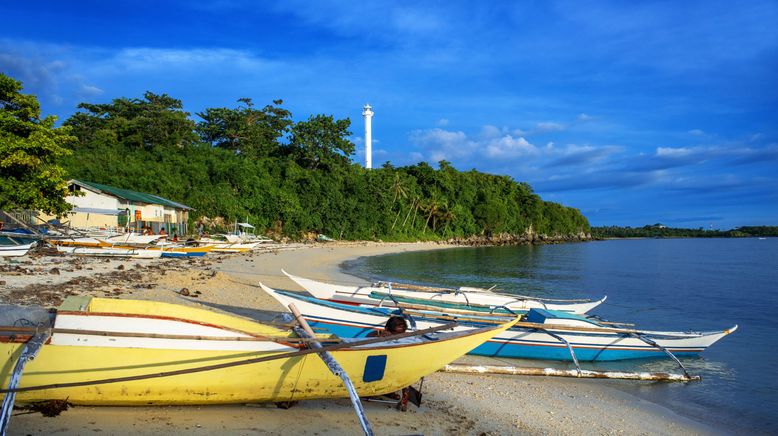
<point x="669" y="284"/>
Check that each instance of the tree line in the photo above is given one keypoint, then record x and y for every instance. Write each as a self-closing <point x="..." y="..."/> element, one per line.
<point x="660" y="231"/>
<point x="289" y="178"/>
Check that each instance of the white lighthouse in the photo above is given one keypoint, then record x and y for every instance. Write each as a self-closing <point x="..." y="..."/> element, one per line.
<point x="368" y="114"/>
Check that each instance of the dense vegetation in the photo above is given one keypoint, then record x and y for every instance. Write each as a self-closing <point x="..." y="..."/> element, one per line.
<point x="294" y="178"/>
<point x="660" y="231"/>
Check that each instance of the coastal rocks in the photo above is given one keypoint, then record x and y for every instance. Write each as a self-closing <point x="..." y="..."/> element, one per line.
<point x="519" y="239"/>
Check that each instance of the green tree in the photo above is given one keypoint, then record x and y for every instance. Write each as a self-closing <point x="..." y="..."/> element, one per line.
<point x="246" y="130"/>
<point x="321" y="141"/>
<point x="30" y="150"/>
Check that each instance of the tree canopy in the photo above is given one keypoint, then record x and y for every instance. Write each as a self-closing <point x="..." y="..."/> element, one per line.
<point x="30" y="151"/>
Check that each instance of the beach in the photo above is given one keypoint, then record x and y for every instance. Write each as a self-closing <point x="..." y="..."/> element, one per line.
<point x="452" y="404"/>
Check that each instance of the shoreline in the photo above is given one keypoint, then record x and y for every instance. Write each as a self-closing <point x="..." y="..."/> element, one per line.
<point x="453" y="403"/>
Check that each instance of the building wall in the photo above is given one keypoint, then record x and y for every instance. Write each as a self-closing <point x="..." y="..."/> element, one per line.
<point x="94" y="200"/>
<point x="88" y="220"/>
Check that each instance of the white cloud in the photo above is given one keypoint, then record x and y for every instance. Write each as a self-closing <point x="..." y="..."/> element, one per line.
<point x="510" y="147"/>
<point x="673" y="152"/>
<point x="696" y="132"/>
<point x="584" y="117"/>
<point x="442" y="122"/>
<point x="549" y="126"/>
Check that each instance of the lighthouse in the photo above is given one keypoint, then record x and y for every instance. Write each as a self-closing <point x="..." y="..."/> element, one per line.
<point x="368" y="114"/>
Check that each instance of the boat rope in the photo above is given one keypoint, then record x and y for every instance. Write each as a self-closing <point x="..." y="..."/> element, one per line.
<point x="291" y="354"/>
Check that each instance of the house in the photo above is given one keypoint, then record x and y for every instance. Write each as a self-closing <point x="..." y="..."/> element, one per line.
<point x="107" y="207"/>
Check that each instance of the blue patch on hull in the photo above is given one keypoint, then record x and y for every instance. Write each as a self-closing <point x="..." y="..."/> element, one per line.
<point x="518" y="351"/>
<point x="174" y="254"/>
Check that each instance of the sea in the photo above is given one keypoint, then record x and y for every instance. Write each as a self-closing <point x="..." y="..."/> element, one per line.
<point x="658" y="284"/>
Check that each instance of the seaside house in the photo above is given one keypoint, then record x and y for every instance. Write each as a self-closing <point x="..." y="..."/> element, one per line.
<point x="108" y="207"/>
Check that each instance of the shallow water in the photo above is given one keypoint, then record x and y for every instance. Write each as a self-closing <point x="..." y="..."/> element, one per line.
<point x="661" y="284"/>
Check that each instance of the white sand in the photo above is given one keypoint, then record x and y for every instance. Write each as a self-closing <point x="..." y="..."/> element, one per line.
<point x="453" y="403"/>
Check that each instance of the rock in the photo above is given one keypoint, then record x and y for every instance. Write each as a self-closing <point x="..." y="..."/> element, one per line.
<point x="120" y="267"/>
<point x="184" y="292"/>
<point x="54" y="271"/>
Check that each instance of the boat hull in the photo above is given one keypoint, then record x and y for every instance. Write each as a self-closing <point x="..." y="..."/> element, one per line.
<point x="15" y="250"/>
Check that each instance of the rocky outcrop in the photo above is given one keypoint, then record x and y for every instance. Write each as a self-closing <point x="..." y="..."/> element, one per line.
<point x="520" y="239"/>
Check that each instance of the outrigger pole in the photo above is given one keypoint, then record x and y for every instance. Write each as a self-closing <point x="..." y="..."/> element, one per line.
<point x="334" y="367"/>
<point x="553" y="372"/>
<point x="29" y="351"/>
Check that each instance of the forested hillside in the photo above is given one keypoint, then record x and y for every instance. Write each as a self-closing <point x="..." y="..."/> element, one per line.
<point x="294" y="178"/>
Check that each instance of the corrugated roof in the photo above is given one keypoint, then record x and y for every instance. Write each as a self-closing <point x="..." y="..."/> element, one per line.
<point x="132" y="195"/>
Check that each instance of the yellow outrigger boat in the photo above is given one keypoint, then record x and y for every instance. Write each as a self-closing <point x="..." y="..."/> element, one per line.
<point x="132" y="352"/>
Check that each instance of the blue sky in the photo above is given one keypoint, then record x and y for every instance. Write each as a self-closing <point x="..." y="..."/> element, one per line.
<point x="633" y="112"/>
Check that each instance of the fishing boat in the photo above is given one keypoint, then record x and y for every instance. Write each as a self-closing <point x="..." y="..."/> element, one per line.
<point x="15" y="250"/>
<point x="182" y="251"/>
<point x="132" y="352"/>
<point x="110" y="252"/>
<point x="132" y="238"/>
<point x="541" y="334"/>
<point x="387" y="295"/>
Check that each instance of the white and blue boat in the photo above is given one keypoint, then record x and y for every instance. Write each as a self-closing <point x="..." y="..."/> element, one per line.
<point x="475" y="298"/>
<point x="543" y="334"/>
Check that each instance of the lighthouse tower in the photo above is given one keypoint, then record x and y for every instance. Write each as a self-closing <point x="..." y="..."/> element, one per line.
<point x="368" y="114"/>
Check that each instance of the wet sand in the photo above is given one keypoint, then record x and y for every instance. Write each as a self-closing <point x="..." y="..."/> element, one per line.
<point x="453" y="403"/>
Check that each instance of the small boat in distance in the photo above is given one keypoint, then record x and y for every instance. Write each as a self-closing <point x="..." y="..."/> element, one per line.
<point x="386" y="294"/>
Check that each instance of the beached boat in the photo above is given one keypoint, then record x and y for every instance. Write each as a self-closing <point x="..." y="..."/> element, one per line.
<point x="471" y="297"/>
<point x="542" y="334"/>
<point x="182" y="251"/>
<point x="132" y="239"/>
<point x="110" y="252"/>
<point x="133" y="352"/>
<point x="15" y="250"/>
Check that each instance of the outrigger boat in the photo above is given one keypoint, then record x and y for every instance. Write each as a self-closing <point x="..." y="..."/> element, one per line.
<point x="101" y="351"/>
<point x="483" y="299"/>
<point x="541" y="334"/>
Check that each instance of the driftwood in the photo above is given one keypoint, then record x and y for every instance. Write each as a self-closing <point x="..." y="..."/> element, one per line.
<point x="553" y="372"/>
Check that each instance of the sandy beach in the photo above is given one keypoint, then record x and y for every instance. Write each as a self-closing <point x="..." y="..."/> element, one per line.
<point x="453" y="404"/>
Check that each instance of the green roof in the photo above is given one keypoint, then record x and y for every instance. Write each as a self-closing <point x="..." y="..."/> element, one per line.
<point x="132" y="195"/>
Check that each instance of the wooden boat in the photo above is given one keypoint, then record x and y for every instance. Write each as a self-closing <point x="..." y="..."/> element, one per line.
<point x="380" y="295"/>
<point x="542" y="334"/>
<point x="133" y="352"/>
<point x="110" y="252"/>
<point x="15" y="250"/>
